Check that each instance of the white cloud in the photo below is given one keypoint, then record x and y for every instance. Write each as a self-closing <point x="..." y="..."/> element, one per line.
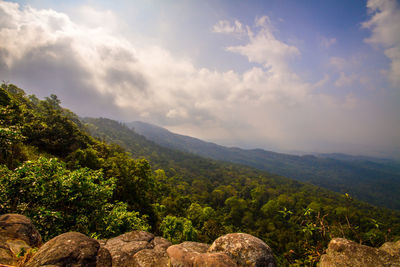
<point x="225" y="26"/>
<point x="327" y="42"/>
<point x="264" y="48"/>
<point x="97" y="73"/>
<point x="345" y="80"/>
<point x="385" y="27"/>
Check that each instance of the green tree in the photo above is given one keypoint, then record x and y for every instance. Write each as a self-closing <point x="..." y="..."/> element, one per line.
<point x="178" y="229"/>
<point x="59" y="200"/>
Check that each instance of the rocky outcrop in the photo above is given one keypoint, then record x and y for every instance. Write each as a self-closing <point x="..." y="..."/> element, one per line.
<point x="122" y="248"/>
<point x="244" y="249"/>
<point x="71" y="249"/>
<point x="393" y="248"/>
<point x="137" y="249"/>
<point x="343" y="252"/>
<point x="193" y="254"/>
<point x="17" y="234"/>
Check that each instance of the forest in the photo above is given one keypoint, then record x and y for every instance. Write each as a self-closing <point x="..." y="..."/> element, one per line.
<point x="98" y="177"/>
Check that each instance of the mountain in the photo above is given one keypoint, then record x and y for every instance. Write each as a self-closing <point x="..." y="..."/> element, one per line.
<point x="370" y="179"/>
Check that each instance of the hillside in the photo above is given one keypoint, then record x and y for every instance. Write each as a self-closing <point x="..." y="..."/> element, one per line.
<point x="71" y="175"/>
<point x="374" y="180"/>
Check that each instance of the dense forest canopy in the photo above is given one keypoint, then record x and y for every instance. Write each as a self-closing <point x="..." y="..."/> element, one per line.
<point x="373" y="180"/>
<point x="99" y="177"/>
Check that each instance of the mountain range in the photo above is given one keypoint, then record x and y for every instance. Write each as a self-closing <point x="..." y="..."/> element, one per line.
<point x="370" y="179"/>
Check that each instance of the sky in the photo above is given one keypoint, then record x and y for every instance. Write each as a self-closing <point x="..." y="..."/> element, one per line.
<point x="304" y="76"/>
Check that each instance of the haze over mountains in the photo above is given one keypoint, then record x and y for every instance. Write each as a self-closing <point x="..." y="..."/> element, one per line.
<point x="370" y="179"/>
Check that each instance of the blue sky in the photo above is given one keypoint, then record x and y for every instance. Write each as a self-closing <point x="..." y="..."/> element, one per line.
<point x="313" y="76"/>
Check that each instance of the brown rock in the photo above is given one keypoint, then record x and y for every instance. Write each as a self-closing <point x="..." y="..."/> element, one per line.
<point x="195" y="246"/>
<point x="71" y="249"/>
<point x="343" y="252"/>
<point x="15" y="226"/>
<point x="160" y="243"/>
<point x="16" y="233"/>
<point x="156" y="256"/>
<point x="150" y="258"/>
<point x="218" y="259"/>
<point x="103" y="257"/>
<point x="180" y="256"/>
<point x="122" y="248"/>
<point x="191" y="254"/>
<point x="244" y="249"/>
<point x="393" y="248"/>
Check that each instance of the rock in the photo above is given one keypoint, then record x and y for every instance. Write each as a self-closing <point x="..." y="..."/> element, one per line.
<point x="180" y="256"/>
<point x="218" y="259"/>
<point x="343" y="252"/>
<point x="15" y="226"/>
<point x="188" y="254"/>
<point x="157" y="256"/>
<point x="16" y="233"/>
<point x="103" y="257"/>
<point x="71" y="249"/>
<point x="161" y="243"/>
<point x="244" y="249"/>
<point x="195" y="246"/>
<point x="122" y="248"/>
<point x="393" y="248"/>
<point x="150" y="258"/>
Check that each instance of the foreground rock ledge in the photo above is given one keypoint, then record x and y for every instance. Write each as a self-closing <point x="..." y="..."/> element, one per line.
<point x="137" y="249"/>
<point x="343" y="252"/>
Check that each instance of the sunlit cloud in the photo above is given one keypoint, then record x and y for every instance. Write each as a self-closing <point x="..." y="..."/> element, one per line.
<point x="97" y="72"/>
<point x="385" y="27"/>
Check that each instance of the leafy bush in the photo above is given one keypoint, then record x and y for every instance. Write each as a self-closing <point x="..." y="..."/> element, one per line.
<point x="178" y="229"/>
<point x="59" y="200"/>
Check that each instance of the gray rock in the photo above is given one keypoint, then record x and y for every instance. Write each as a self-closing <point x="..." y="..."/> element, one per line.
<point x="71" y="249"/>
<point x="16" y="233"/>
<point x="343" y="252"/>
<point x="244" y="249"/>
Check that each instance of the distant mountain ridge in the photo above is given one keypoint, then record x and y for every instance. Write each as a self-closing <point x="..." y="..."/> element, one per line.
<point x="373" y="180"/>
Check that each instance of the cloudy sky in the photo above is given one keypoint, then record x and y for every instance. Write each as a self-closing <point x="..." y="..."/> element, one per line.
<point x="314" y="76"/>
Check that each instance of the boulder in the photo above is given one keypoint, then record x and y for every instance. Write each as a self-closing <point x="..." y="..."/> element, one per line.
<point x="154" y="257"/>
<point x="122" y="248"/>
<point x="343" y="252"/>
<point x="194" y="246"/>
<point x="150" y="258"/>
<point x="393" y="248"/>
<point x="71" y="249"/>
<point x="183" y="255"/>
<point x="188" y="254"/>
<point x="218" y="259"/>
<point x="17" y="233"/>
<point x="244" y="249"/>
<point x="160" y="243"/>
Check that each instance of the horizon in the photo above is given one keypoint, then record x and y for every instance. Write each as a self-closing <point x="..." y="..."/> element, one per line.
<point x="275" y="75"/>
<point x="293" y="153"/>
